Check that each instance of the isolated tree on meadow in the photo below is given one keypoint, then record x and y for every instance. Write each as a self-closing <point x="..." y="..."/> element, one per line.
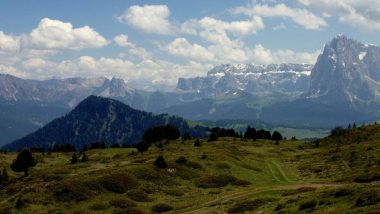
<point x="23" y="162"/>
<point x="197" y="143"/>
<point x="276" y="136"/>
<point x="142" y="146"/>
<point x="74" y="158"/>
<point x="5" y="176"/>
<point x="84" y="157"/>
<point x="160" y="162"/>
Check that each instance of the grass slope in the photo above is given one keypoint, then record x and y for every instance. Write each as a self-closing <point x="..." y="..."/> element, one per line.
<point x="227" y="176"/>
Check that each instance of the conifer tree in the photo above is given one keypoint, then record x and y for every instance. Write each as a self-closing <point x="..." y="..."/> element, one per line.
<point x="160" y="162"/>
<point x="84" y="157"/>
<point x="23" y="162"/>
<point x="74" y="158"/>
<point x="5" y="176"/>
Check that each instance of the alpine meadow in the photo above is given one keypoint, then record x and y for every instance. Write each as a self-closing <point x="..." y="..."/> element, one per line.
<point x="216" y="106"/>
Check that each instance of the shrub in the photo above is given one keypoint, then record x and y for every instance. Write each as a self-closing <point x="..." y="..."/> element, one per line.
<point x="181" y="160"/>
<point x="174" y="192"/>
<point x="84" y="157"/>
<point x="74" y="158"/>
<point x="73" y="191"/>
<point x="139" y="195"/>
<point x="337" y="131"/>
<point x="160" y="208"/>
<point x="368" y="198"/>
<point x="122" y="203"/>
<point x="223" y="165"/>
<point x="147" y="173"/>
<point x="132" y="210"/>
<point x="197" y="143"/>
<point x="20" y="203"/>
<point x="160" y="162"/>
<point x="308" y="205"/>
<point x="240" y="182"/>
<point x="249" y="205"/>
<point x="98" y="206"/>
<point x="118" y="183"/>
<point x="193" y="165"/>
<point x="215" y="181"/>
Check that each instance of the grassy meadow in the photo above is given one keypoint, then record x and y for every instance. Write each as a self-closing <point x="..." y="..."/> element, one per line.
<point x="231" y="175"/>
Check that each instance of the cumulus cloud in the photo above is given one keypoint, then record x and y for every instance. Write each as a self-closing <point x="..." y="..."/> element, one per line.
<point x="55" y="34"/>
<point x="52" y="35"/>
<point x="363" y="13"/>
<point x="302" y="17"/>
<point x="181" y="47"/>
<point x="132" y="49"/>
<point x="148" y="18"/>
<point x="261" y="55"/>
<point x="216" y="31"/>
<point x="8" y="43"/>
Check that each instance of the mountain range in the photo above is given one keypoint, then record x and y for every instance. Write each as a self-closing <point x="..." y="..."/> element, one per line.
<point x="342" y="87"/>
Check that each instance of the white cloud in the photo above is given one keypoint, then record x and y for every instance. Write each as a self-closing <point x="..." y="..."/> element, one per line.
<point x="300" y="16"/>
<point x="216" y="31"/>
<point x="122" y="41"/>
<point x="225" y="38"/>
<point x="50" y="36"/>
<point x="147" y="74"/>
<point x="181" y="47"/>
<point x="281" y="26"/>
<point x="363" y="13"/>
<point x="54" y="34"/>
<point x="261" y="55"/>
<point x="148" y="18"/>
<point x="9" y="43"/>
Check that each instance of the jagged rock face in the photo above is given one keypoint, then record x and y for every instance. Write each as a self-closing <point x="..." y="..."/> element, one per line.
<point x="346" y="70"/>
<point x="255" y="79"/>
<point x="69" y="91"/>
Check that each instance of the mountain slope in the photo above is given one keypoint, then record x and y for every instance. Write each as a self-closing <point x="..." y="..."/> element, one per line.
<point x="97" y="119"/>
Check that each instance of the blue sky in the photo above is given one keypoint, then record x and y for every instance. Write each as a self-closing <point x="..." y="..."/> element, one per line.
<point x="151" y="43"/>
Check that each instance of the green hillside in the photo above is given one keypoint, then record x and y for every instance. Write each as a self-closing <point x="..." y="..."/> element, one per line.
<point x="99" y="119"/>
<point x="230" y="175"/>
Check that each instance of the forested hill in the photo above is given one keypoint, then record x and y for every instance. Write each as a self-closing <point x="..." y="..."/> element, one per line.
<point x="98" y="119"/>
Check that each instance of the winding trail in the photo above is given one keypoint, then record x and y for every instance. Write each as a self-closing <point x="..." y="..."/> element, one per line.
<point x="239" y="194"/>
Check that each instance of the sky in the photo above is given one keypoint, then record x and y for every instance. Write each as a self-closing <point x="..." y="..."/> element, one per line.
<point x="150" y="44"/>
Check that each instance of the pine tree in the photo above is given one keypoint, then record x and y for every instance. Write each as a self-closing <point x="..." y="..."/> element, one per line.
<point x="23" y="162"/>
<point x="276" y="136"/>
<point x="197" y="143"/>
<point x="5" y="176"/>
<point x="74" y="158"/>
<point x="84" y="157"/>
<point x="160" y="162"/>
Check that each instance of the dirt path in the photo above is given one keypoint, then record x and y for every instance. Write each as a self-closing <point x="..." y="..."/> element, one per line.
<point x="281" y="171"/>
<point x="277" y="172"/>
<point x="240" y="194"/>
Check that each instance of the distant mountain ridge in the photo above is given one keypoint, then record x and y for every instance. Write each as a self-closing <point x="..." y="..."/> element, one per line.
<point x="69" y="91"/>
<point x="98" y="119"/>
<point x="260" y="80"/>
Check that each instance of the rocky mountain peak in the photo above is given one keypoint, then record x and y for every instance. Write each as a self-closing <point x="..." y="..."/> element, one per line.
<point x="346" y="70"/>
